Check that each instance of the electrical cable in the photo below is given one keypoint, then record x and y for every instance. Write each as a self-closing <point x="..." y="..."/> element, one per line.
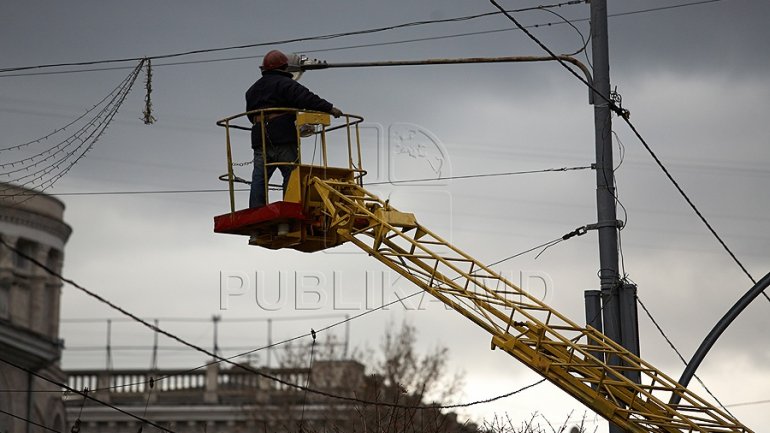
<point x="577" y="232"/>
<point x="692" y="205"/>
<point x="222" y="359"/>
<point x="190" y="191"/>
<point x="284" y="41"/>
<point x="147" y="403"/>
<point x="624" y="114"/>
<point x="468" y="176"/>
<point x="622" y="151"/>
<point x="474" y="176"/>
<point x="544" y="245"/>
<point x="28" y="421"/>
<point x="203" y="320"/>
<point x="80" y="410"/>
<point x="307" y="381"/>
<point x="440" y="37"/>
<point x="748" y="403"/>
<point x="622" y="256"/>
<point x="346" y="320"/>
<point x="85" y="395"/>
<point x="582" y="37"/>
<point x="312" y="333"/>
<point x="671" y="344"/>
<point x="490" y="400"/>
<point x="25" y="391"/>
<point x="270" y="346"/>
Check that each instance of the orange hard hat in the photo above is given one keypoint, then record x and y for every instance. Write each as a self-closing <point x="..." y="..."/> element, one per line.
<point x="274" y="60"/>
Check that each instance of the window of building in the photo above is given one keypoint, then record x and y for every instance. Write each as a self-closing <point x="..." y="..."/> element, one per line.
<point x="21" y="263"/>
<point x="54" y="259"/>
<point x="5" y="300"/>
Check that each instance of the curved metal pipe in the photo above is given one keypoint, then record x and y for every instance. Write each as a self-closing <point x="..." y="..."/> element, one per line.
<point x="464" y="60"/>
<point x="712" y="337"/>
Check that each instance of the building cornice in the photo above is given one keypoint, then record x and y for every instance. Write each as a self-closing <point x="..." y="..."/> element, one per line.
<point x="30" y="348"/>
<point x="37" y="221"/>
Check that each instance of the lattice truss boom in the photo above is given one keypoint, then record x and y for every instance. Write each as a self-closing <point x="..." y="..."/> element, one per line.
<point x="578" y="359"/>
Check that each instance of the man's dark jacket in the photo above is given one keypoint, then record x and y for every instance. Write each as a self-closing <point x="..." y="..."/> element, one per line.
<point x="277" y="89"/>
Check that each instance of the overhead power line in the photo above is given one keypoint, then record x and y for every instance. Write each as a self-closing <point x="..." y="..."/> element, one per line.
<point x="284" y="41"/>
<point x="178" y="339"/>
<point x="269" y="346"/>
<point x="29" y="421"/>
<point x="576" y="232"/>
<point x="678" y="354"/>
<point x="749" y="403"/>
<point x="479" y="175"/>
<point x="85" y="394"/>
<point x="347" y="319"/>
<point x="323" y="37"/>
<point x="227" y="360"/>
<point x="624" y="114"/>
<point x="203" y="320"/>
<point x="434" y="179"/>
<point x="692" y="205"/>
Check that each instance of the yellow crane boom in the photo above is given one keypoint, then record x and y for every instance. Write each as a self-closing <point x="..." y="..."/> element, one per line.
<point x="567" y="354"/>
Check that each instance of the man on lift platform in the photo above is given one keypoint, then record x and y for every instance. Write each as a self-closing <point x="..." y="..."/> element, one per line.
<point x="277" y="89"/>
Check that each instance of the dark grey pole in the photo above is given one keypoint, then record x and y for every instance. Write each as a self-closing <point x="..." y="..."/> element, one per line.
<point x="269" y="340"/>
<point x="593" y="301"/>
<point x="629" y="325"/>
<point x="607" y="224"/>
<point x="605" y="181"/>
<point x="347" y="335"/>
<point x="215" y="320"/>
<point x="154" y="360"/>
<point x="109" y="345"/>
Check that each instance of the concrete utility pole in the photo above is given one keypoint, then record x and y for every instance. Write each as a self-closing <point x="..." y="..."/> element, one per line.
<point x="605" y="181"/>
<point x="614" y="307"/>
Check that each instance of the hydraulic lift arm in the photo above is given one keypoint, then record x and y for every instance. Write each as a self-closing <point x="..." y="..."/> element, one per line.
<point x="573" y="357"/>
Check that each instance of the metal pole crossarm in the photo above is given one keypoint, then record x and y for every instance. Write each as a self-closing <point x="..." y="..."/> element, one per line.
<point x="567" y="354"/>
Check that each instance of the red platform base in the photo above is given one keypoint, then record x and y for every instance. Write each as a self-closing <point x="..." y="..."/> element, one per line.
<point x="253" y="221"/>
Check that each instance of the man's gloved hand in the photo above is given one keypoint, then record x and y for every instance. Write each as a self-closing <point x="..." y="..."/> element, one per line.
<point x="336" y="112"/>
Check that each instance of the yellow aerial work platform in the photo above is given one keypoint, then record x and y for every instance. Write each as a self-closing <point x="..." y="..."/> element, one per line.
<point x="326" y="206"/>
<point x="298" y="221"/>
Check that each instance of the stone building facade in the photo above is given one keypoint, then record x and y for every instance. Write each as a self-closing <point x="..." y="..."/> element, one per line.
<point x="212" y="400"/>
<point x="29" y="310"/>
<point x="235" y="400"/>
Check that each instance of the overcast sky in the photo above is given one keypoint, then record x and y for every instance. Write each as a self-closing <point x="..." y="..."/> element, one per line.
<point x="695" y="79"/>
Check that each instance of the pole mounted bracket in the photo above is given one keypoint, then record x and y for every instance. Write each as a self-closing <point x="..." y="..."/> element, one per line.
<point x="580" y="231"/>
<point x="596" y="226"/>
